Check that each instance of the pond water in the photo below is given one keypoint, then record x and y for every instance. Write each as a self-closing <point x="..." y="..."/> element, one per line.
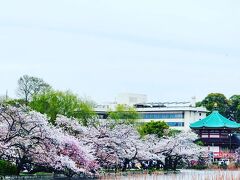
<point x="184" y="175"/>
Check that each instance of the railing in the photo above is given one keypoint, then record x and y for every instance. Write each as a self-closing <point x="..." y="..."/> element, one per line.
<point x="218" y="141"/>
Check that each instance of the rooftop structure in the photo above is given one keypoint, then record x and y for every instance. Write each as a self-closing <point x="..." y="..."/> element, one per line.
<point x="163" y="104"/>
<point x="131" y="98"/>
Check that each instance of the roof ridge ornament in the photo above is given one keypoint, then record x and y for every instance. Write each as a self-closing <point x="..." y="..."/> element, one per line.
<point x="215" y="106"/>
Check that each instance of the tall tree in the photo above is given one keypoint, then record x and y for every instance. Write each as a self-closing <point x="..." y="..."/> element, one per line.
<point x="2" y="99"/>
<point x="124" y="114"/>
<point x="29" y="86"/>
<point x="66" y="103"/>
<point x="234" y="107"/>
<point x="216" y="101"/>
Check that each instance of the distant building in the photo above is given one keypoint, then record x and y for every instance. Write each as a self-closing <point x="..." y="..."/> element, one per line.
<point x="131" y="98"/>
<point x="218" y="134"/>
<point x="178" y="115"/>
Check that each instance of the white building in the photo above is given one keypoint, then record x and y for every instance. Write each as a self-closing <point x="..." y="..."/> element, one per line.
<point x="178" y="115"/>
<point x="130" y="98"/>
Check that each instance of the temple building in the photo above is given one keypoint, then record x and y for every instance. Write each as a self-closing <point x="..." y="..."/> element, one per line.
<point x="218" y="134"/>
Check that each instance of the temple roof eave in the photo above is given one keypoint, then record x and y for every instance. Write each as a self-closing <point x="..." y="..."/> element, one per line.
<point x="225" y="127"/>
<point x="215" y="120"/>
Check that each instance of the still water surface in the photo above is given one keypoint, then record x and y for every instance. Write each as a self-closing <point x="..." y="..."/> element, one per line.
<point x="184" y="175"/>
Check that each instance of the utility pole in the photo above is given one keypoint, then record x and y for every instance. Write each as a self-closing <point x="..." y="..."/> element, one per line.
<point x="230" y="136"/>
<point x="6" y="97"/>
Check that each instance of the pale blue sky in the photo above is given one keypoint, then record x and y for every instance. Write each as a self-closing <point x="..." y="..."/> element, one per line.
<point x="169" y="50"/>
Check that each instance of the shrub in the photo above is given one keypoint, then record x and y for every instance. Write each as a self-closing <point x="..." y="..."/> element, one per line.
<point x="199" y="167"/>
<point x="7" y="168"/>
<point x="232" y="166"/>
<point x="223" y="166"/>
<point x="214" y="166"/>
<point x="237" y="164"/>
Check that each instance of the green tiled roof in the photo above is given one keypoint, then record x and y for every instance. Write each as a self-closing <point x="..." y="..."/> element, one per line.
<point x="215" y="120"/>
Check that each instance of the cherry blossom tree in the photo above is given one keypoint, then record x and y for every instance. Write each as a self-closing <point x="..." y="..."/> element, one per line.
<point x="172" y="150"/>
<point x="115" y="146"/>
<point x="118" y="146"/>
<point x="27" y="140"/>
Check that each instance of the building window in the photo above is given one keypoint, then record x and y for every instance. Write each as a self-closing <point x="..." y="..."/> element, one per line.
<point x="214" y="136"/>
<point x="204" y="135"/>
<point x="162" y="115"/>
<point x="175" y="124"/>
<point x="211" y="134"/>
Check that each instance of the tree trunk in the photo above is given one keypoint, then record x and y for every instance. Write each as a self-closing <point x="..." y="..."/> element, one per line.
<point x="166" y="167"/>
<point x="159" y="163"/>
<point x="125" y="164"/>
<point x="150" y="164"/>
<point x="19" y="165"/>
<point x="175" y="163"/>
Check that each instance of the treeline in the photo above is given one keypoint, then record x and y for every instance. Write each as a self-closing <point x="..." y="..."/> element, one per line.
<point x="37" y="94"/>
<point x="229" y="108"/>
<point x="46" y="130"/>
<point x="40" y="96"/>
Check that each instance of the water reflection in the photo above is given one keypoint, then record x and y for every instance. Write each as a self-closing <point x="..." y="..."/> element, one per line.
<point x="184" y="175"/>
